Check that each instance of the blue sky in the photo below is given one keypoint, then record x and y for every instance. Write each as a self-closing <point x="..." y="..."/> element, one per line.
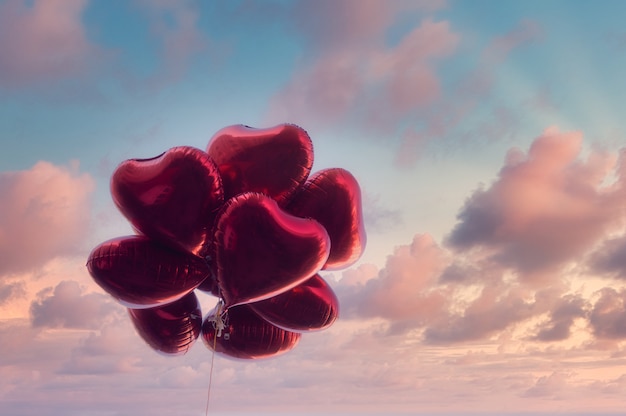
<point x="488" y="141"/>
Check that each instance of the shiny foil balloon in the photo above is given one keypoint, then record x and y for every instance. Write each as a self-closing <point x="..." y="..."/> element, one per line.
<point x="274" y="161"/>
<point x="333" y="198"/>
<point x="172" y="328"/>
<point x="172" y="198"/>
<point x="246" y="335"/>
<point x="310" y="306"/>
<point x="142" y="273"/>
<point x="262" y="250"/>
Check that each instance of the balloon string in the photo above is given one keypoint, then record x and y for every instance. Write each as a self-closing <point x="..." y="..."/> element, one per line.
<point x="208" y="393"/>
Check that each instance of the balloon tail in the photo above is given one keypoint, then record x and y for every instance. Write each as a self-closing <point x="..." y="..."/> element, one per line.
<point x="219" y="328"/>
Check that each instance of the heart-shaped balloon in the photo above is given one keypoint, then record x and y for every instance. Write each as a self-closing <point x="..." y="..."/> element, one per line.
<point x="333" y="198"/>
<point x="171" y="328"/>
<point x="262" y="250"/>
<point x="310" y="306"/>
<point x="274" y="161"/>
<point x="172" y="198"/>
<point x="141" y="273"/>
<point x="245" y="335"/>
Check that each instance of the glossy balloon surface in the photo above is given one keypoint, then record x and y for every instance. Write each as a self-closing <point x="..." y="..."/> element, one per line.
<point x="274" y="161"/>
<point x="172" y="328"/>
<point x="333" y="198"/>
<point x="141" y="273"/>
<point x="172" y="198"/>
<point x="310" y="306"/>
<point x="247" y="336"/>
<point x="262" y="250"/>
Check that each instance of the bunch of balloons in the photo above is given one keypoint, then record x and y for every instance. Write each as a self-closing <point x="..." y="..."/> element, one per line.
<point x="242" y="221"/>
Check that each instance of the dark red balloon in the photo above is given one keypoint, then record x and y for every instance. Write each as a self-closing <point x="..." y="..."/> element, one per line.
<point x="333" y="198"/>
<point x="246" y="335"/>
<point x="172" y="198"/>
<point x="274" y="161"/>
<point x="141" y="273"/>
<point x="262" y="250"/>
<point x="172" y="328"/>
<point x="310" y="306"/>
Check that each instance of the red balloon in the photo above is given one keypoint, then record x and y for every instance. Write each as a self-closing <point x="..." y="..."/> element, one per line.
<point x="172" y="328"/>
<point x="262" y="250"/>
<point x="333" y="198"/>
<point x="141" y="273"/>
<point x="246" y="335"/>
<point x="310" y="306"/>
<point x="274" y="161"/>
<point x="173" y="198"/>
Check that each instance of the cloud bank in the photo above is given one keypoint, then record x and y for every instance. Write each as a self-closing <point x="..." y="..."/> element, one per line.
<point x="517" y="259"/>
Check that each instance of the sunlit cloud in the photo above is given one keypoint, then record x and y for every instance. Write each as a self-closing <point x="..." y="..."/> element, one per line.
<point x="546" y="208"/>
<point x="45" y="212"/>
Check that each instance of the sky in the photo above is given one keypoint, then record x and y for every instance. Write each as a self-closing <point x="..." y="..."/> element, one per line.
<point x="489" y="142"/>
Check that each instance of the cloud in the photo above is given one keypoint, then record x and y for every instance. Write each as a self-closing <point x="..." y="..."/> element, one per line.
<point x="111" y="350"/>
<point x="355" y="73"/>
<point x="608" y="315"/>
<point x="562" y="317"/>
<point x="404" y="290"/>
<point x="549" y="386"/>
<point x="453" y="111"/>
<point x="367" y="69"/>
<point x="352" y="23"/>
<point x="44" y="213"/>
<point x="43" y="41"/>
<point x="610" y="258"/>
<point x="66" y="306"/>
<point x="9" y="291"/>
<point x="494" y="310"/>
<point x="505" y="270"/>
<point x="546" y="207"/>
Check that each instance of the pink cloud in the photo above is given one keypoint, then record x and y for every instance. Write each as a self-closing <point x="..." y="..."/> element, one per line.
<point x="562" y="317"/>
<point x="404" y="290"/>
<point x="328" y="23"/>
<point x="112" y="350"/>
<point x="494" y="310"/>
<point x="506" y="263"/>
<point x="45" y="212"/>
<point x="608" y="315"/>
<point x="610" y="258"/>
<point x="66" y="306"/>
<point x="355" y="73"/>
<point x="357" y="76"/>
<point x="446" y="114"/>
<point x="546" y="207"/>
<point x="9" y="291"/>
<point x="43" y="40"/>
<point x="326" y="90"/>
<point x="408" y="69"/>
<point x="550" y="386"/>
